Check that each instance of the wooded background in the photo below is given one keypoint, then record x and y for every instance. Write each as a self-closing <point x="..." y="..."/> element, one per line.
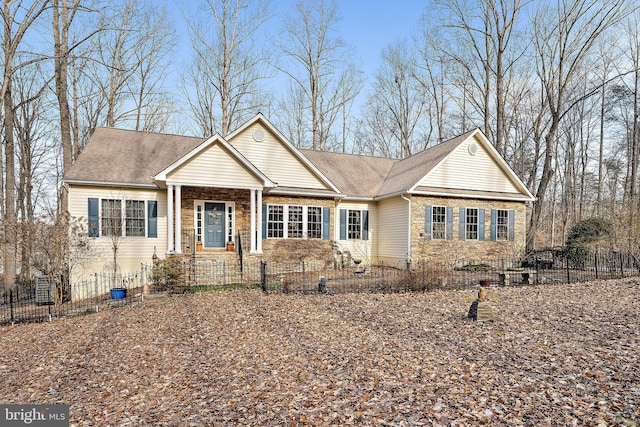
<point x="553" y="84"/>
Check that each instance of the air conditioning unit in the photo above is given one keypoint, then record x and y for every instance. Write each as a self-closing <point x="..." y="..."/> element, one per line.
<point x="45" y="290"/>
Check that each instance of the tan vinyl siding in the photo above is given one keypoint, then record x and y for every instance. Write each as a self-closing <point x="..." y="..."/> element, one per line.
<point x="393" y="231"/>
<point x="214" y="167"/>
<point x="275" y="160"/>
<point x="132" y="250"/>
<point x="359" y="249"/>
<point x="470" y="172"/>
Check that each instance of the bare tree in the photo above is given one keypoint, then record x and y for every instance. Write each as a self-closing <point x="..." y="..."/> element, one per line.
<point x="322" y="67"/>
<point x="132" y="51"/>
<point x="230" y="62"/>
<point x="482" y="45"/>
<point x="398" y="97"/>
<point x="564" y="38"/>
<point x="34" y="142"/>
<point x="431" y="73"/>
<point x="17" y="19"/>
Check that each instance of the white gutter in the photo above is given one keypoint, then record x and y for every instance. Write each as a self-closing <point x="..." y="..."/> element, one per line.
<point x="108" y="183"/>
<point x="408" y="230"/>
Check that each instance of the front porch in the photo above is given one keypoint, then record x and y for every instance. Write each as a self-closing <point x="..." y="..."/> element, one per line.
<point x="212" y="222"/>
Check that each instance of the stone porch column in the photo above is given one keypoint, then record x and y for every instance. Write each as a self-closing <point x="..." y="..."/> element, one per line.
<point x="178" y="205"/>
<point x="170" y="245"/>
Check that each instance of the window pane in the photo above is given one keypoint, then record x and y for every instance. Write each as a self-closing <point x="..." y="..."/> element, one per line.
<point x="314" y="222"/>
<point x="111" y="220"/>
<point x="295" y="222"/>
<point x="134" y="219"/>
<point x="439" y="223"/>
<point x="502" y="225"/>
<point x="354" y="224"/>
<point x="471" y="227"/>
<point x="275" y="221"/>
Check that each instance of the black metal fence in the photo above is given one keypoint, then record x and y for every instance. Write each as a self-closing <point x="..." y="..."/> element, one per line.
<point x="47" y="298"/>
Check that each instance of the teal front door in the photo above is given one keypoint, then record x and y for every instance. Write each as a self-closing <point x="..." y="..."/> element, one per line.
<point x="214" y="236"/>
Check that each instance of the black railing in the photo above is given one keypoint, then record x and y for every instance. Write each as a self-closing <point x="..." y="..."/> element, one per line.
<point x="50" y="299"/>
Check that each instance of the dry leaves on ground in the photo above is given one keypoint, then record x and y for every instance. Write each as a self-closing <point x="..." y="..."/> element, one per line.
<point x="555" y="355"/>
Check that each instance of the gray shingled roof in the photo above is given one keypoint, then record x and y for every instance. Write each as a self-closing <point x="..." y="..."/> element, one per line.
<point x="354" y="175"/>
<point x="132" y="157"/>
<point x="128" y="157"/>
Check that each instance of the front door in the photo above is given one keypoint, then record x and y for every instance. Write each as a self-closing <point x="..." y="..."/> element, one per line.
<point x="214" y="236"/>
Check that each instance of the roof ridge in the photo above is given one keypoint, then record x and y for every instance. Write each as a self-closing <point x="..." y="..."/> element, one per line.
<point x="149" y="132"/>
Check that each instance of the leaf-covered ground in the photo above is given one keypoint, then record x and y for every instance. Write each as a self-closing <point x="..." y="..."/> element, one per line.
<point x="556" y="355"/>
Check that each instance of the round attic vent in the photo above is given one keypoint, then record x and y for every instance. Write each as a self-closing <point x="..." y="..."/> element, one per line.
<point x="258" y="135"/>
<point x="473" y="149"/>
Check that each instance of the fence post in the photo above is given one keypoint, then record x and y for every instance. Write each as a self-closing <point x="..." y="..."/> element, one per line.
<point x="568" y="274"/>
<point x="595" y="263"/>
<point x="49" y="302"/>
<point x="303" y="276"/>
<point x="96" y="289"/>
<point x="263" y="276"/>
<point x="11" y="305"/>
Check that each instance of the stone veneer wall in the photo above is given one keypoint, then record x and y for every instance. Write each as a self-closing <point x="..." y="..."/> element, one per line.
<point x="473" y="250"/>
<point x="294" y="250"/>
<point x="280" y="250"/>
<point x="240" y="197"/>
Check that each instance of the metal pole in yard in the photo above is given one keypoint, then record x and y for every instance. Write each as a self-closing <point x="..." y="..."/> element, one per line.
<point x="568" y="274"/>
<point x="595" y="263"/>
<point x="11" y="304"/>
<point x="49" y="302"/>
<point x="303" y="271"/>
<point x="96" y="289"/>
<point x="263" y="276"/>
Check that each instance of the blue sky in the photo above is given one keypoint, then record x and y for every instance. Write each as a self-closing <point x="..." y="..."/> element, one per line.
<point x="370" y="26"/>
<point x="367" y="26"/>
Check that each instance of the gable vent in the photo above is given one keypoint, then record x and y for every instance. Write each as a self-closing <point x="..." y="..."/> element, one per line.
<point x="258" y="135"/>
<point x="473" y="149"/>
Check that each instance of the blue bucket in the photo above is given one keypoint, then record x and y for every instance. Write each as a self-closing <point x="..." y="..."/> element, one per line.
<point x="118" y="293"/>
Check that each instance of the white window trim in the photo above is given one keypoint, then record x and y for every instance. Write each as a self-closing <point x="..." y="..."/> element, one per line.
<point x="123" y="217"/>
<point x="506" y="238"/>
<point x="305" y="221"/>
<point x="477" y="223"/>
<point x="433" y="222"/>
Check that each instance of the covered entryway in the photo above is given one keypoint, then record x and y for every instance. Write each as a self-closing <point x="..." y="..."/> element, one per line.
<point x="214" y="220"/>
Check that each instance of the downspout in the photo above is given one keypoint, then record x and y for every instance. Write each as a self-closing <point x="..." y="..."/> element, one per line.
<point x="408" y="231"/>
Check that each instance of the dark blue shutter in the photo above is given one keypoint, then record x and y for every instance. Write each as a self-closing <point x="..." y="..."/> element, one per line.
<point x="428" y="214"/>
<point x="461" y="224"/>
<point x="152" y="218"/>
<point x="512" y="225"/>
<point x="94" y="218"/>
<point x="449" y="223"/>
<point x="326" y="223"/>
<point x="264" y="221"/>
<point x="365" y="225"/>
<point x="480" y="224"/>
<point x="343" y="224"/>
